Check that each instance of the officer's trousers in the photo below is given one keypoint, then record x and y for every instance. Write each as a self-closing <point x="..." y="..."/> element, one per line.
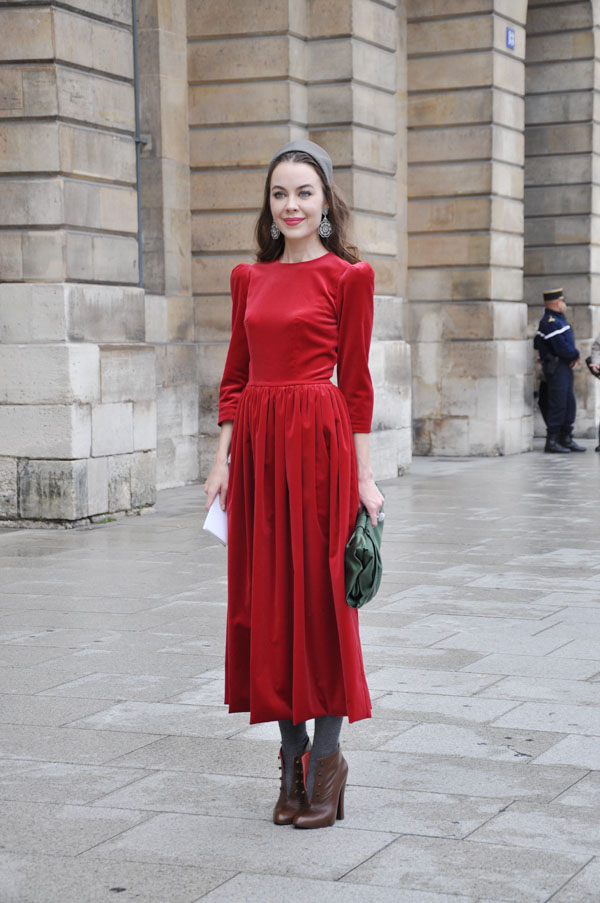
<point x="560" y="400"/>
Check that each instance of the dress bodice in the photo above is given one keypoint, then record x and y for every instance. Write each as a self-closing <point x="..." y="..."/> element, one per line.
<point x="292" y="323"/>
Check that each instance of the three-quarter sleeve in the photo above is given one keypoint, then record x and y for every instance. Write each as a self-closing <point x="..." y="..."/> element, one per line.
<point x="235" y="374"/>
<point x="355" y="312"/>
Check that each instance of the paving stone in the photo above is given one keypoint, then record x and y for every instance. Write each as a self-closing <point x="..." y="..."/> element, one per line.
<point x="169" y="718"/>
<point x="79" y="603"/>
<point x="566" y="829"/>
<point x="410" y="812"/>
<point x="30" y="680"/>
<point x="118" y="687"/>
<point x="234" y="756"/>
<point x="63" y="636"/>
<point x="576" y="750"/>
<point x="586" y="648"/>
<point x="579" y="597"/>
<point x="583" y="888"/>
<point x="247" y="888"/>
<point x="585" y="792"/>
<point x="56" y="782"/>
<point x="472" y="742"/>
<point x="62" y="829"/>
<point x="85" y="620"/>
<point x="413" y="657"/>
<point x="526" y="688"/>
<point x="451" y="866"/>
<point x="430" y="707"/>
<point x="462" y="623"/>
<point x="63" y="744"/>
<point x="18" y="709"/>
<point x="531" y="581"/>
<point x="26" y="656"/>
<point x="244" y="845"/>
<point x="41" y="879"/>
<point x="132" y="662"/>
<point x="575" y="615"/>
<point x="413" y="635"/>
<point x="212" y="645"/>
<point x="447" y="683"/>
<point x="200" y="794"/>
<point x="512" y="641"/>
<point x="535" y="666"/>
<point x="566" y="719"/>
<point x="451" y="774"/>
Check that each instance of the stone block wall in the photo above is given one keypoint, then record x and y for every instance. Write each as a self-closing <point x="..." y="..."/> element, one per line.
<point x="166" y="245"/>
<point x="77" y="381"/>
<point x="77" y="409"/>
<point x="260" y="75"/>
<point x="561" y="165"/>
<point x="472" y="371"/>
<point x="73" y="216"/>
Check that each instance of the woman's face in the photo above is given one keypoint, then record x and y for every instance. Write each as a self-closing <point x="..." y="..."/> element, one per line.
<point x="297" y="199"/>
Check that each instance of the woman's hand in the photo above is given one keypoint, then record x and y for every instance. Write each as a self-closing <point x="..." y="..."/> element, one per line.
<point x="216" y="484"/>
<point x="370" y="497"/>
<point x="218" y="478"/>
<point x="368" y="493"/>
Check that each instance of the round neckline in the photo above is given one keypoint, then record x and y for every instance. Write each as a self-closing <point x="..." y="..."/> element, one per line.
<point x="295" y="263"/>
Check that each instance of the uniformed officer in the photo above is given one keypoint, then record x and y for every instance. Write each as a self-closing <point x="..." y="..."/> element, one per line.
<point x="559" y="357"/>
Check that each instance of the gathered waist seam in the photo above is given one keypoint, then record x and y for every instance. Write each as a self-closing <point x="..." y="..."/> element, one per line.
<point x="314" y="382"/>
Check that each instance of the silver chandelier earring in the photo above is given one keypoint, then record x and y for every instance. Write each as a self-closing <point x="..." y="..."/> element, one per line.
<point x="325" y="228"/>
<point x="275" y="233"/>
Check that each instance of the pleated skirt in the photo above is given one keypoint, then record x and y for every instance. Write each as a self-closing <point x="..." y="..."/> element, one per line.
<point x="293" y="647"/>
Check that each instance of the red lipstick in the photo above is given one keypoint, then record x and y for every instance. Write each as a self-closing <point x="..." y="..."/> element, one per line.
<point x="294" y="220"/>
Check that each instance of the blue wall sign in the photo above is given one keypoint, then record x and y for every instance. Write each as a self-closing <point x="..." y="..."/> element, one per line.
<point x="510" y="38"/>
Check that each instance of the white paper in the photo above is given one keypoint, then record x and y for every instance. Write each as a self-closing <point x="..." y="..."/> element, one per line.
<point x="216" y="521"/>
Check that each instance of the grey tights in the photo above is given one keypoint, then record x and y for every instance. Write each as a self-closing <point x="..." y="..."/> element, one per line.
<point x="294" y="739"/>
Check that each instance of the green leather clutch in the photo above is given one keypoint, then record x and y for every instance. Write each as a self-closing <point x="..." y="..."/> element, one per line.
<point x="362" y="560"/>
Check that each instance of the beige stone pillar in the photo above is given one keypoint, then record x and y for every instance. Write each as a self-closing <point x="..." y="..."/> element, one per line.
<point x="356" y="82"/>
<point x="260" y="75"/>
<point x="77" y="416"/>
<point x="472" y="385"/>
<point x="166" y="234"/>
<point x="562" y="202"/>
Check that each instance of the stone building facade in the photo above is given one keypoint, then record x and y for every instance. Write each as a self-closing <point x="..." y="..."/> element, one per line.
<point x="133" y="142"/>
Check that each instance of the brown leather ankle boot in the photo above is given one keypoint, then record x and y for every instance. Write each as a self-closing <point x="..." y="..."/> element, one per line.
<point x="327" y="801"/>
<point x="289" y="805"/>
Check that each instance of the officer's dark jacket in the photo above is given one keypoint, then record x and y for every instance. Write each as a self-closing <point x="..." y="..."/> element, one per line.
<point x="555" y="337"/>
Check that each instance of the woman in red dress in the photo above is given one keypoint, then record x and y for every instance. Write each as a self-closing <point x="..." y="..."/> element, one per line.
<point x="300" y="468"/>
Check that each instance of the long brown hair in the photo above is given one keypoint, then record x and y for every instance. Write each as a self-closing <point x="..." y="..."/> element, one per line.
<point x="270" y="248"/>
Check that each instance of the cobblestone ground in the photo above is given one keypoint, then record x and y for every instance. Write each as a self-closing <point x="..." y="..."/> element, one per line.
<point x="478" y="778"/>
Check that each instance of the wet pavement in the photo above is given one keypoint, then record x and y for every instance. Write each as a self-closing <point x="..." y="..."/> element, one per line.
<point x="477" y="781"/>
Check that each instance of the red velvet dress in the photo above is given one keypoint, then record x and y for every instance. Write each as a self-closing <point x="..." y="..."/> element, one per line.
<point x="293" y="647"/>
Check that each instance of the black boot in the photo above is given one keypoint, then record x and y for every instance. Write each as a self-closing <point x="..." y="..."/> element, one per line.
<point x="566" y="440"/>
<point x="553" y="445"/>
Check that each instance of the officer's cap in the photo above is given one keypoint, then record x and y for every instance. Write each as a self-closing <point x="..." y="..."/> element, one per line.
<point x="553" y="295"/>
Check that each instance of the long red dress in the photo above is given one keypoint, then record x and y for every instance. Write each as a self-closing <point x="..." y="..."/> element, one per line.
<point x="293" y="647"/>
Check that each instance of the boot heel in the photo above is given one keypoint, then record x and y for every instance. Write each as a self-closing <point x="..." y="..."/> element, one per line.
<point x="340" y="807"/>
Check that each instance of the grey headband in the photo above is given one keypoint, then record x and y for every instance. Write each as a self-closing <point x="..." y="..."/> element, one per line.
<point x="319" y="155"/>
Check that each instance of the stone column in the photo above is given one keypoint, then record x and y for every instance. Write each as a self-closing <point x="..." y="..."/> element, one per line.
<point x="77" y="418"/>
<point x="166" y="229"/>
<point x="561" y="195"/>
<point x="259" y="76"/>
<point x="472" y="382"/>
